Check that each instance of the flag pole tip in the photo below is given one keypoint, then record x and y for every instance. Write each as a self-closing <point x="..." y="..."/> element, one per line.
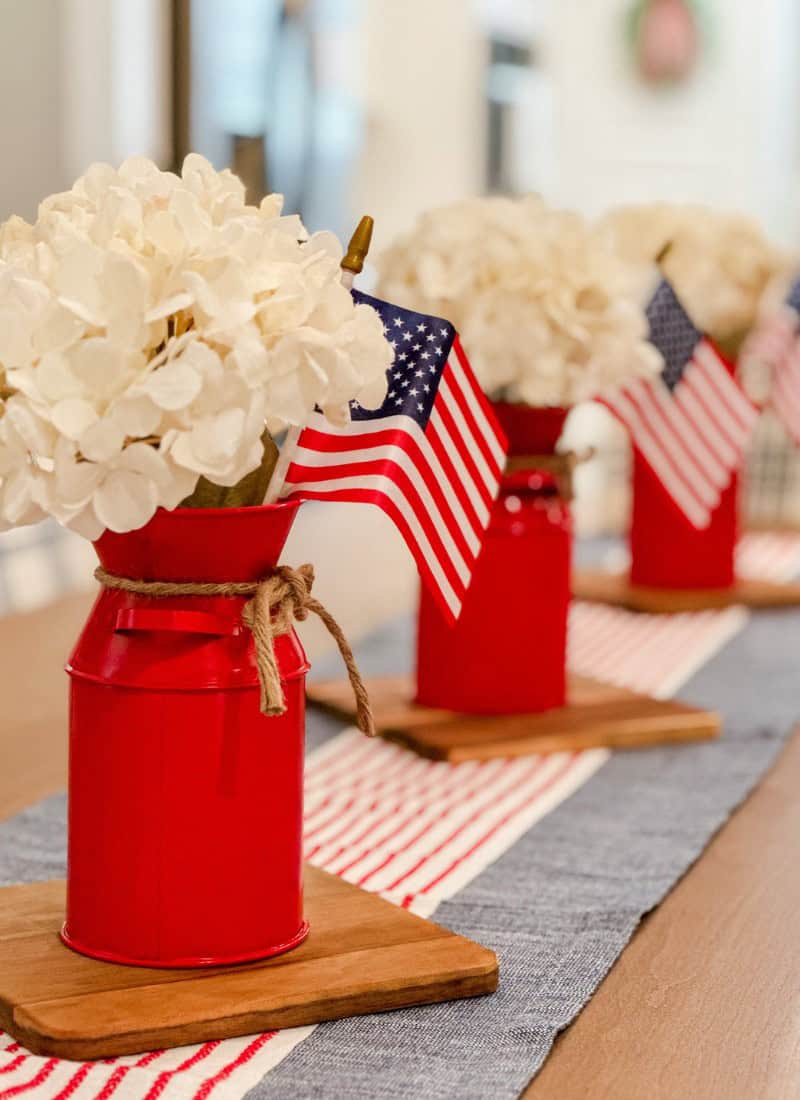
<point x="665" y="251"/>
<point x="359" y="246"/>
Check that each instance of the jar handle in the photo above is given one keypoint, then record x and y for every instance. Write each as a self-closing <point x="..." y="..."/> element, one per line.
<point x="134" y="619"/>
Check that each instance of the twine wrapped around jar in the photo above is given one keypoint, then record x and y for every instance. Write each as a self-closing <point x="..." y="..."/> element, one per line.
<point x="275" y="603"/>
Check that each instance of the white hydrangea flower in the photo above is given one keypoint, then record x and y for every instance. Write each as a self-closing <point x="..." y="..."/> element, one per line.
<point x="120" y="494"/>
<point x="547" y="312"/>
<point x="23" y="479"/>
<point x="719" y="262"/>
<point x="151" y="326"/>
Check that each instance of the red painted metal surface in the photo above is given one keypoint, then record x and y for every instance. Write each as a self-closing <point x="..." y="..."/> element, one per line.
<point x="507" y="652"/>
<point x="666" y="550"/>
<point x="185" y="802"/>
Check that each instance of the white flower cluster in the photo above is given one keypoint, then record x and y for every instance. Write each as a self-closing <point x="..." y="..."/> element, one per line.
<point x="719" y="262"/>
<point x="151" y="326"/>
<point x="547" y="312"/>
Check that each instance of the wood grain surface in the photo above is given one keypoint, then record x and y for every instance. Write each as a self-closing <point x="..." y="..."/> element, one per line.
<point x="703" y="1002"/>
<point x="599" y="586"/>
<point x="597" y="715"/>
<point x="363" y="954"/>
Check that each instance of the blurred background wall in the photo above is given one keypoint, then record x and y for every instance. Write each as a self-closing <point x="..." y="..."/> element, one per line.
<point x="398" y="106"/>
<point x="391" y="106"/>
<point x="727" y="135"/>
<point x="80" y="80"/>
<point x="30" y="119"/>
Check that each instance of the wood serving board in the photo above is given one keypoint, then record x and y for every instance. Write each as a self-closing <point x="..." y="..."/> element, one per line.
<point x="597" y="715"/>
<point x="362" y="955"/>
<point x="598" y="586"/>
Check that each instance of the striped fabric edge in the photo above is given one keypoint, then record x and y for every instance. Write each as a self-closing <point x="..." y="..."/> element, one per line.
<point x="763" y="555"/>
<point x="224" y="1070"/>
<point x="651" y="654"/>
<point x="769" y="555"/>
<point x="416" y="831"/>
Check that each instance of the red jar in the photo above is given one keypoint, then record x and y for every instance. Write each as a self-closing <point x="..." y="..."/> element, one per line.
<point x="185" y="802"/>
<point x="666" y="550"/>
<point x="507" y="652"/>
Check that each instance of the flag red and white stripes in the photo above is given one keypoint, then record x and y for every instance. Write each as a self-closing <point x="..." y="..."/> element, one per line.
<point x="773" y="349"/>
<point x="785" y="397"/>
<point x="693" y="437"/>
<point x="415" y="830"/>
<point x="693" y="423"/>
<point x="431" y="457"/>
<point x="772" y="340"/>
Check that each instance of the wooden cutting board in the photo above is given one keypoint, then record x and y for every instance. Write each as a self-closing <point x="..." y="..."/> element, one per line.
<point x="597" y="714"/>
<point x="362" y="955"/>
<point x="598" y="586"/>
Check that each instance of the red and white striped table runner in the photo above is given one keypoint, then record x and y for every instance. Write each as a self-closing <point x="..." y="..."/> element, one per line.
<point x="417" y="831"/>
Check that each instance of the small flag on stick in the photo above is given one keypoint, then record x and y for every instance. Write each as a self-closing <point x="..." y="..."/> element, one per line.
<point x="431" y="456"/>
<point x="774" y="347"/>
<point x="692" y="424"/>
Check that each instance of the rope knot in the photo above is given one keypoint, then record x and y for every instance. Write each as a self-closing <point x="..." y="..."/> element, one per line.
<point x="298" y="584"/>
<point x="275" y="603"/>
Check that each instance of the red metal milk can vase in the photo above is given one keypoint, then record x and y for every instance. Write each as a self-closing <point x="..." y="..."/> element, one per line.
<point x="666" y="550"/>
<point x="185" y="802"/>
<point x="507" y="652"/>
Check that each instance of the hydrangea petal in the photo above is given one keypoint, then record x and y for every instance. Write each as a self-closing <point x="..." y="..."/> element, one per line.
<point x="137" y="416"/>
<point x="102" y="440"/>
<point x="73" y="416"/>
<point x="125" y="501"/>
<point x="103" y="366"/>
<point x="174" y="386"/>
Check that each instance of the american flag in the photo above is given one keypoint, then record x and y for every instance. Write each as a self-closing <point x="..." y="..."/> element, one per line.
<point x="431" y="456"/>
<point x="692" y="423"/>
<point x="774" y="346"/>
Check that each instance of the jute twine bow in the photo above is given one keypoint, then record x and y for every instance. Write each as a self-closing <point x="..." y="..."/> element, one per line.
<point x="274" y="604"/>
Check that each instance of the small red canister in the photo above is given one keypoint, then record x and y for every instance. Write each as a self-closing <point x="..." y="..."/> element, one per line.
<point x="507" y="652"/>
<point x="185" y="802"/>
<point x="666" y="550"/>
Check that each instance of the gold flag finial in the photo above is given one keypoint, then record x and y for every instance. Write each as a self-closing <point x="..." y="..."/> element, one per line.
<point x="665" y="251"/>
<point x="359" y="246"/>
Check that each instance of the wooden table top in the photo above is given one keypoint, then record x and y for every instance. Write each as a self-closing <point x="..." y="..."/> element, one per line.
<point x="702" y="1002"/>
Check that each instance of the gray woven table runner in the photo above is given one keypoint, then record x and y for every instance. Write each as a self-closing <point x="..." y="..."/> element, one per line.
<point x="558" y="907"/>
